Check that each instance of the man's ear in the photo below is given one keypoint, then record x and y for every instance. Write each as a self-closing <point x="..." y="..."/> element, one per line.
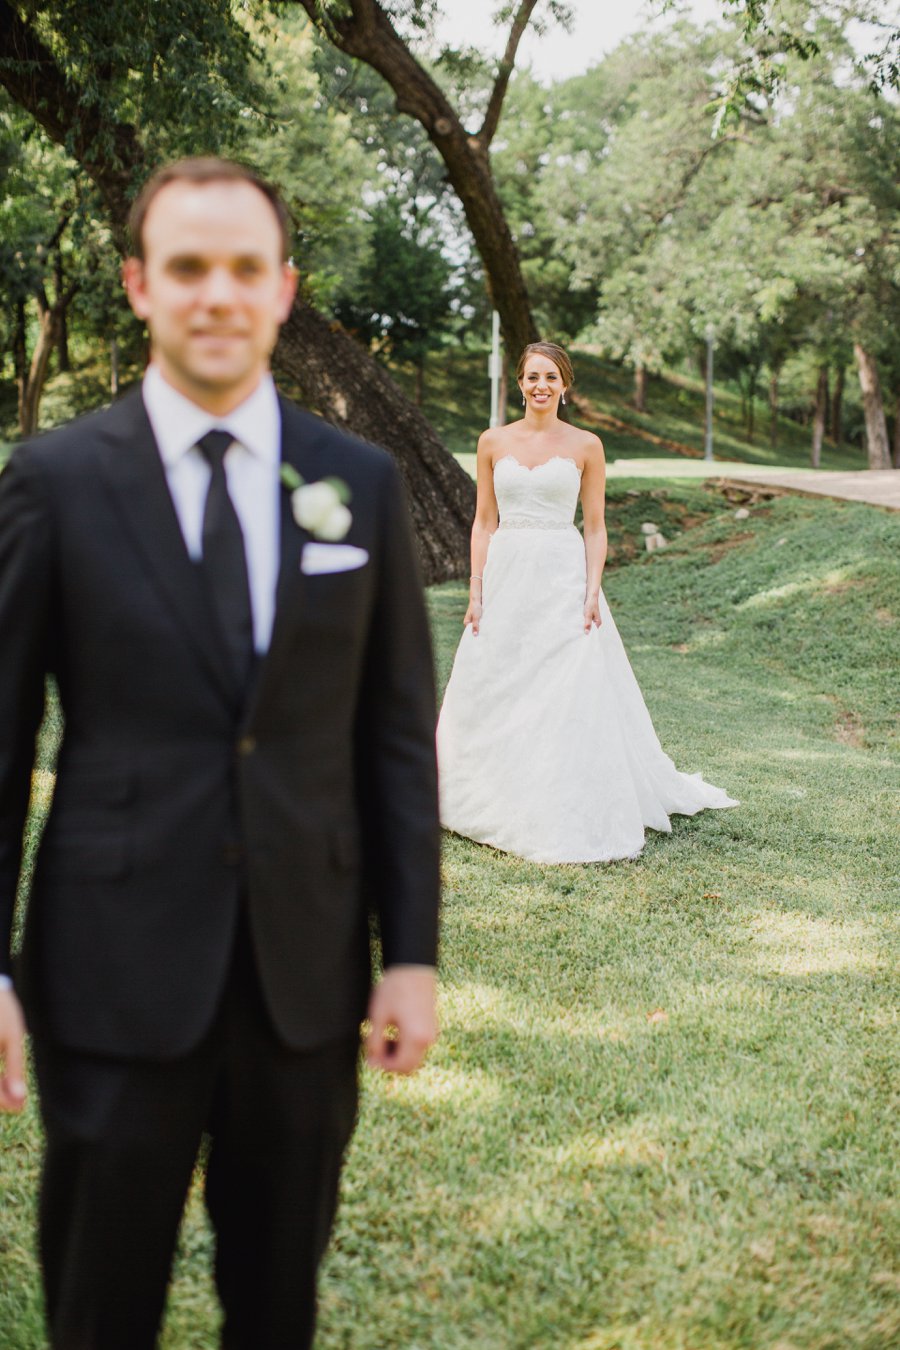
<point x="133" y="281"/>
<point x="289" y="280"/>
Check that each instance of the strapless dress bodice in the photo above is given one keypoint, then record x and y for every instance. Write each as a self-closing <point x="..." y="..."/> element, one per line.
<point x="543" y="497"/>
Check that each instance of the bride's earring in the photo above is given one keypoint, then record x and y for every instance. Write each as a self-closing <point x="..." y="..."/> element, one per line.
<point x="563" y="399"/>
<point x="524" y="400"/>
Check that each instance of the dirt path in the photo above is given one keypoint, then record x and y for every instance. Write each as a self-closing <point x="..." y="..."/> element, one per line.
<point x="877" y="487"/>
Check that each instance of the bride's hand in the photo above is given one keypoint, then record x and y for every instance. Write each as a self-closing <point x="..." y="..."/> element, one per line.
<point x="473" y="615"/>
<point x="592" y="613"/>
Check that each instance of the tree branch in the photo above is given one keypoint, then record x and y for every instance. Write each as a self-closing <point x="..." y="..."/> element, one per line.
<point x="367" y="34"/>
<point x="30" y="74"/>
<point x="505" y="70"/>
<point x="690" y="174"/>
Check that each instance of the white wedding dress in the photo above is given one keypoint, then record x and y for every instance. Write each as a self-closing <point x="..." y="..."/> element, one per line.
<point x="545" y="746"/>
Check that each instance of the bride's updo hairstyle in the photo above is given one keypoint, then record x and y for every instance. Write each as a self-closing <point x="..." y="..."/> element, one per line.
<point x="553" y="353"/>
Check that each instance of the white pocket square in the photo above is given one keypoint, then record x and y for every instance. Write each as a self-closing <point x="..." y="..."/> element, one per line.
<point x="317" y="559"/>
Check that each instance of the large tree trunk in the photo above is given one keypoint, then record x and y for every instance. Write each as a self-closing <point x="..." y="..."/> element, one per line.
<point x="640" y="388"/>
<point x="819" y="415"/>
<point x="836" y="430"/>
<point x="320" y="365"/>
<point x="873" y="406"/>
<point x="335" y="376"/>
<point x="365" y="32"/>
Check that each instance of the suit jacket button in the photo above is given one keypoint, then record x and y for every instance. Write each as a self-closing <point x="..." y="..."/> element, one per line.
<point x="232" y="854"/>
<point x="246" y="745"/>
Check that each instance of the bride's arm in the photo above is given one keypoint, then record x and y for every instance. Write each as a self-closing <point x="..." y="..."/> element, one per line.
<point x="593" y="509"/>
<point x="486" y="518"/>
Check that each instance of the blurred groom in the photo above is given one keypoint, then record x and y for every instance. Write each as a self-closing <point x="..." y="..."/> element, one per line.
<point x="246" y="778"/>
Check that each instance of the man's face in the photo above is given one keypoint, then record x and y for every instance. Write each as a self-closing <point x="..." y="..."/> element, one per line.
<point x="212" y="288"/>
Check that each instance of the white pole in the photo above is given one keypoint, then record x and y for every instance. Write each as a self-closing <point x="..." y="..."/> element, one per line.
<point x="494" y="371"/>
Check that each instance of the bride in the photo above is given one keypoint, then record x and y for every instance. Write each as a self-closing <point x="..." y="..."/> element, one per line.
<point x="545" y="747"/>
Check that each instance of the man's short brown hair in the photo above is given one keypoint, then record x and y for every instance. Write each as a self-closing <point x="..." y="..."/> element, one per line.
<point x="204" y="169"/>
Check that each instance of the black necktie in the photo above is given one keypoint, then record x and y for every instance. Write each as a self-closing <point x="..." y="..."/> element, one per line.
<point x="224" y="560"/>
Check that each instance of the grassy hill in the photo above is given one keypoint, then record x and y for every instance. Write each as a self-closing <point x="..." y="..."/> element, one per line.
<point x="457" y="401"/>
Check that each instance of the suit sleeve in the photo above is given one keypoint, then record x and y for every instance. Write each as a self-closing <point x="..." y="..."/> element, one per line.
<point x="396" y="746"/>
<point x="25" y="572"/>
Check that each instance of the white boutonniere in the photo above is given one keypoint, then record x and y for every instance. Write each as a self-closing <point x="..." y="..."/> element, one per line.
<point x="320" y="508"/>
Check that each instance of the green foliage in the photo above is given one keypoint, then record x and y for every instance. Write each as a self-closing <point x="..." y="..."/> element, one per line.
<point x="181" y="73"/>
<point x="401" y="301"/>
<point x="544" y="135"/>
<point x="780" y="235"/>
<point x="308" y="147"/>
<point x="53" y="239"/>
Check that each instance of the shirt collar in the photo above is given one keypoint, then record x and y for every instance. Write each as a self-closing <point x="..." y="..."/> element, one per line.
<point x="178" y="423"/>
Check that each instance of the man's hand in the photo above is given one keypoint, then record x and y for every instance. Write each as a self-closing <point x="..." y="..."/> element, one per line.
<point x="403" y="1017"/>
<point x="12" y="1052"/>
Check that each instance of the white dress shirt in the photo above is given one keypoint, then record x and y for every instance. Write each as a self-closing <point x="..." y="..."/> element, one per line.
<point x="252" y="470"/>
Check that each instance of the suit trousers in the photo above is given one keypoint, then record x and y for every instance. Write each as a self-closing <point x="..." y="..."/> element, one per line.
<point x="122" y="1140"/>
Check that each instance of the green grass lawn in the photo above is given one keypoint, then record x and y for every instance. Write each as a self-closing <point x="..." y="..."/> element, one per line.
<point x="663" y="1111"/>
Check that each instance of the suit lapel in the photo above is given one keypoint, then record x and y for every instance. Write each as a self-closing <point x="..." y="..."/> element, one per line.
<point x="301" y="447"/>
<point x="298" y="450"/>
<point x="131" y="464"/>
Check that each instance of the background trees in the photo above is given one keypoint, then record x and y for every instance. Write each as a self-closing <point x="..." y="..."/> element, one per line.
<point x="122" y="87"/>
<point x="428" y="184"/>
<point x="781" y="234"/>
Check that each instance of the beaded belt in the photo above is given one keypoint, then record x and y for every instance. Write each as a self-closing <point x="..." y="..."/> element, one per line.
<point x="523" y="523"/>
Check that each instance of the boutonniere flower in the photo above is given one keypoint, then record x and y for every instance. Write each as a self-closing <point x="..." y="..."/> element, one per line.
<point x="320" y="508"/>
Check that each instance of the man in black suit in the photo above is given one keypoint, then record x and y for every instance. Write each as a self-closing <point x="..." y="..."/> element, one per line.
<point x="246" y="779"/>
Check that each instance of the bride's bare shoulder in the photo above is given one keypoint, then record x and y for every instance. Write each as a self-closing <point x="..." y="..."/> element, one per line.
<point x="589" y="446"/>
<point x="495" y="442"/>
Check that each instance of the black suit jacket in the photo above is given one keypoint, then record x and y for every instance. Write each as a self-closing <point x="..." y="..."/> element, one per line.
<point x="317" y="800"/>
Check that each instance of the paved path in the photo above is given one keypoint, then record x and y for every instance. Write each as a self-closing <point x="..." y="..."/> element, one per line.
<point x="878" y="487"/>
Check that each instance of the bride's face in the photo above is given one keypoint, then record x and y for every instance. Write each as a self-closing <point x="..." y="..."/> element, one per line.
<point x="541" y="383"/>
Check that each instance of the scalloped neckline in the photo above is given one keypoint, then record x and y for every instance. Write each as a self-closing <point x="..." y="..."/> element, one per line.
<point x="532" y="468"/>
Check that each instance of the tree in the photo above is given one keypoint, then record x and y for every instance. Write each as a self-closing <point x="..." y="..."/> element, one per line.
<point x="372" y="32"/>
<point x="546" y="134"/>
<point x="774" y="32"/>
<point x="37" y="279"/>
<point x="781" y="233"/>
<point x="122" y="90"/>
<point x="402" y="299"/>
<point x="631" y="209"/>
